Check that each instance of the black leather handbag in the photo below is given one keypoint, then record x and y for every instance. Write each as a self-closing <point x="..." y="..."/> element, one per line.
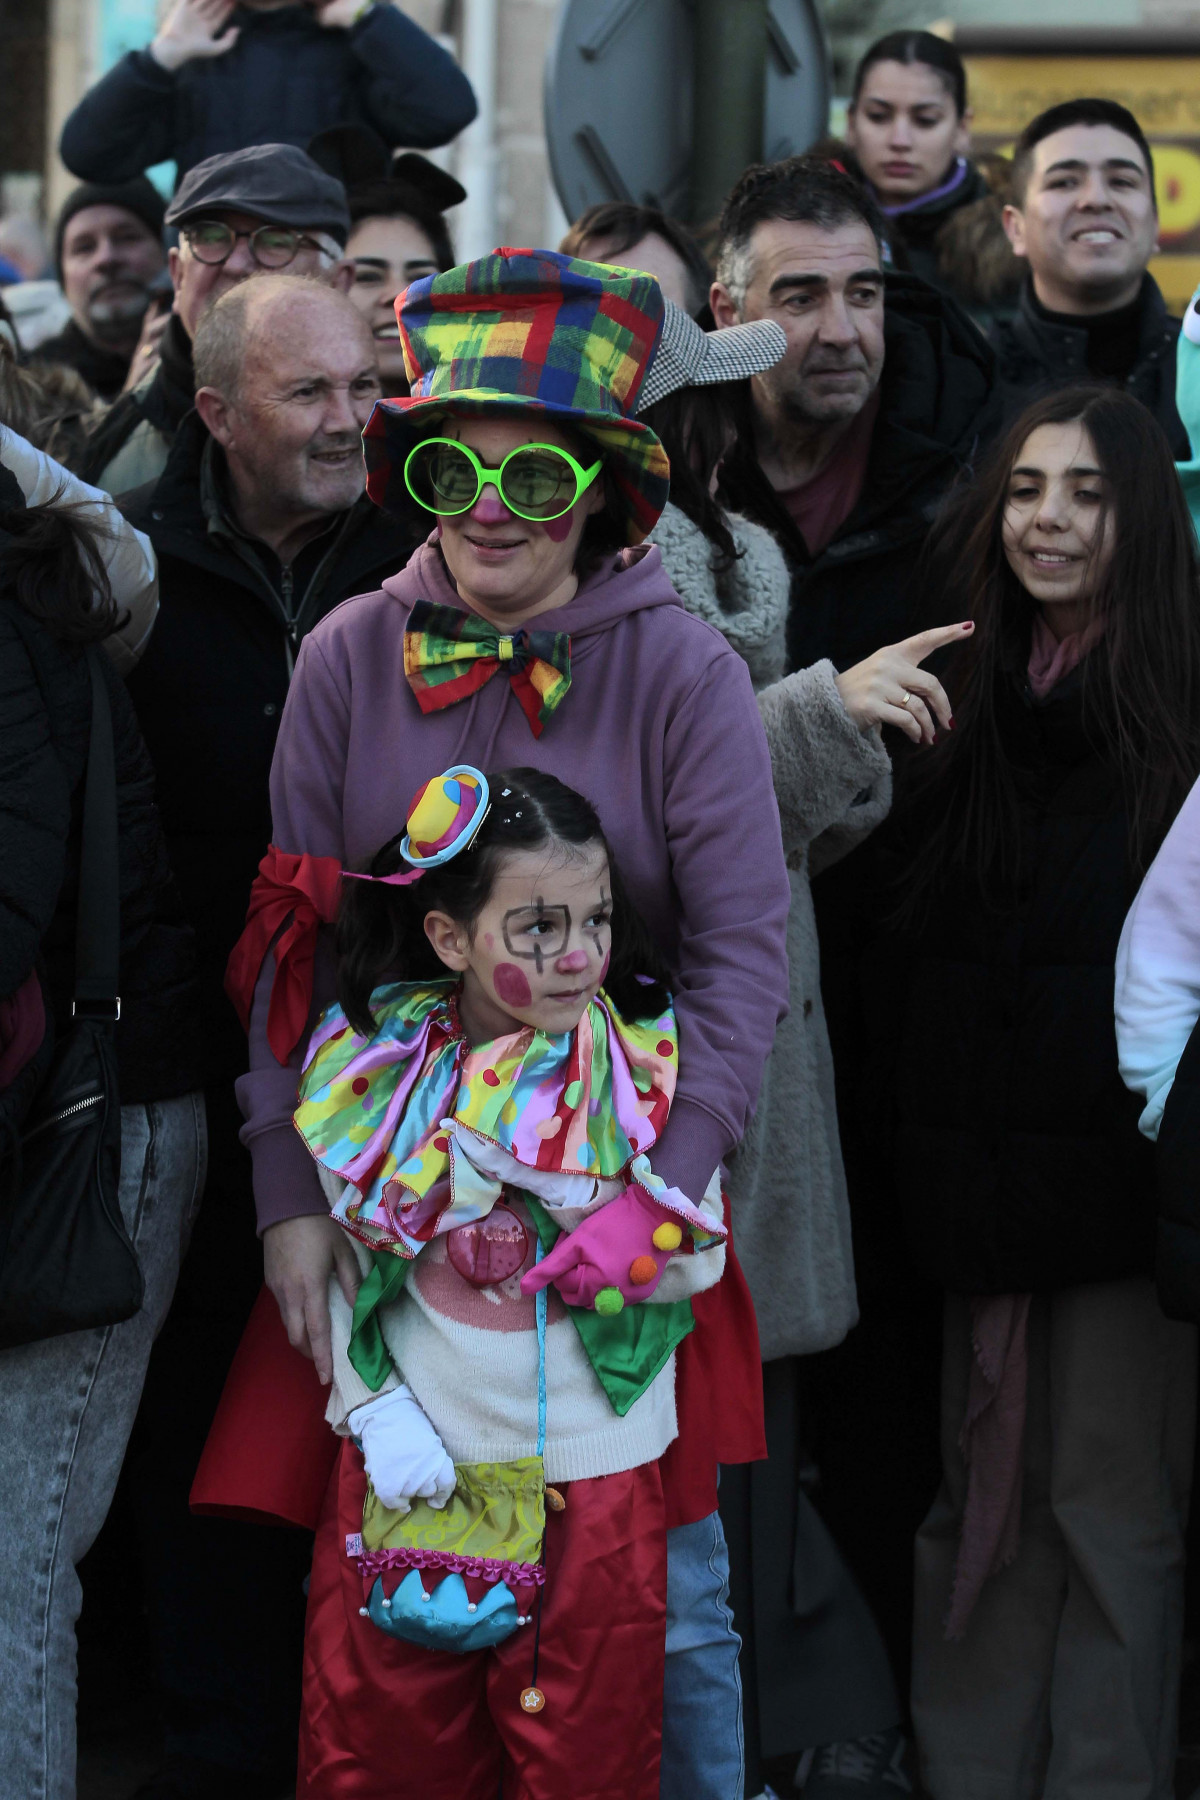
<point x="66" y="1260"/>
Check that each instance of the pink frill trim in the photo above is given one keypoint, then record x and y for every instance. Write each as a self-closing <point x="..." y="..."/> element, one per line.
<point x="479" y="1573"/>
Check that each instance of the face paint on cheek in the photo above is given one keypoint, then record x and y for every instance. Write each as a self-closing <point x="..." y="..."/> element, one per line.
<point x="559" y="530"/>
<point x="512" y="989"/>
<point x="489" y="940"/>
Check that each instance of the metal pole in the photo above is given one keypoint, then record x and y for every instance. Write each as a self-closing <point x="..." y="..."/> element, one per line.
<point x="730" y="79"/>
<point x="476" y="232"/>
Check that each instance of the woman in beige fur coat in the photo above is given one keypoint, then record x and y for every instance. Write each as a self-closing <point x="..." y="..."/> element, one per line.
<point x="822" y="1668"/>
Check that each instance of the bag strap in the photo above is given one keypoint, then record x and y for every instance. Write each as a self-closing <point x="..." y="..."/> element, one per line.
<point x="539" y="1313"/>
<point x="98" y="926"/>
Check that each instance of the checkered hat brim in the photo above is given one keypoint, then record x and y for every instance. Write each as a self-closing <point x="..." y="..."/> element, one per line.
<point x="689" y="357"/>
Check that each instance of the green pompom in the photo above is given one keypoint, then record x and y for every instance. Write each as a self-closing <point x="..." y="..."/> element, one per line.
<point x="609" y="1300"/>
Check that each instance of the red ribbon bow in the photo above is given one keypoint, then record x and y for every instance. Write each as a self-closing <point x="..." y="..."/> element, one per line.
<point x="303" y="890"/>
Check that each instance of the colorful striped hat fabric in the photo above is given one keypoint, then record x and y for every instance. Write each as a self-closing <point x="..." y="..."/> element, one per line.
<point x="532" y="329"/>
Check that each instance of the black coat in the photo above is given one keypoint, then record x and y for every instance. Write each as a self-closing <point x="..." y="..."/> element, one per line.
<point x="210" y="688"/>
<point x="162" y="399"/>
<point x="46" y="708"/>
<point x="103" y="370"/>
<point x="286" y="78"/>
<point x="914" y="234"/>
<point x="1016" y="1155"/>
<point x="935" y="410"/>
<point x="1035" y="356"/>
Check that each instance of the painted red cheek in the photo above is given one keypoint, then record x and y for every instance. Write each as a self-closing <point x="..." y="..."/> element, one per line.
<point x="558" y="530"/>
<point x="510" y="984"/>
<point x="489" y="940"/>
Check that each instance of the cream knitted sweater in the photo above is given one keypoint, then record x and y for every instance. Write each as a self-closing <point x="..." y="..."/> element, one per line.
<point x="470" y="1355"/>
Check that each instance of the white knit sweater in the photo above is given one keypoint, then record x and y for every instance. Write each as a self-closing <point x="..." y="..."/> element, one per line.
<point x="470" y="1356"/>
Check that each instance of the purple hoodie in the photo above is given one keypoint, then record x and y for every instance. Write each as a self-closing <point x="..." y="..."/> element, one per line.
<point x="660" y="730"/>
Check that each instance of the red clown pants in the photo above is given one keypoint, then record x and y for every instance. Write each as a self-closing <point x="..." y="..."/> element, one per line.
<point x="386" y="1720"/>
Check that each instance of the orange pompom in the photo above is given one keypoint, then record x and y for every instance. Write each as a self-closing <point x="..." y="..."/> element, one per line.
<point x="642" y="1271"/>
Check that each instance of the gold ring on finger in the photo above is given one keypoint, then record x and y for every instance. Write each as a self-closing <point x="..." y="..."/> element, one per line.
<point x="905" y="698"/>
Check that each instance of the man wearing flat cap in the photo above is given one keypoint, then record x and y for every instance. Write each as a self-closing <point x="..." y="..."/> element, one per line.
<point x="267" y="209"/>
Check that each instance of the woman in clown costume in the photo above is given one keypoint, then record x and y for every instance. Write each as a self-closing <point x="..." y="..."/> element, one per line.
<point x="536" y="627"/>
<point x="484" y="1124"/>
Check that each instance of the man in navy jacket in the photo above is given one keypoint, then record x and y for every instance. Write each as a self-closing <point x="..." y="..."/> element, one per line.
<point x="220" y="76"/>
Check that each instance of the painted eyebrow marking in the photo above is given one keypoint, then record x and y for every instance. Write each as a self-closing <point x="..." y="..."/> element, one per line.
<point x="558" y="916"/>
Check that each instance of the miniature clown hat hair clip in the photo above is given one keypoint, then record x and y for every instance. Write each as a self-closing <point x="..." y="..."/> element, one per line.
<point x="444" y="818"/>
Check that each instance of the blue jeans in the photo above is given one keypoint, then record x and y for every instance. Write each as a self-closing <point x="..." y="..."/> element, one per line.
<point x="702" y="1747"/>
<point x="66" y="1410"/>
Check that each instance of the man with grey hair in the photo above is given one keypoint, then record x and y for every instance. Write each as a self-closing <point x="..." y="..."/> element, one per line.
<point x="844" y="450"/>
<point x="269" y="209"/>
<point x="847" y="445"/>
<point x="261" y="525"/>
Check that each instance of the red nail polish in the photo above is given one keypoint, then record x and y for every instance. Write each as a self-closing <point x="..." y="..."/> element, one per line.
<point x="950" y="723"/>
<point x="970" y="625"/>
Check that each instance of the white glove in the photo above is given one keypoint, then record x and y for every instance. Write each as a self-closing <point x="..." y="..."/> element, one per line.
<point x="405" y="1457"/>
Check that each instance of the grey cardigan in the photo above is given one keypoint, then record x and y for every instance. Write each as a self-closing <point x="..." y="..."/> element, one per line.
<point x="791" y="1216"/>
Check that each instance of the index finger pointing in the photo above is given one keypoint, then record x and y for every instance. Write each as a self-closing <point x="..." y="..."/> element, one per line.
<point x="926" y="642"/>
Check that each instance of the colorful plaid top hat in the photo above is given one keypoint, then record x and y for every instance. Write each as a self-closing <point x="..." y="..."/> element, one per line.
<point x="568" y="340"/>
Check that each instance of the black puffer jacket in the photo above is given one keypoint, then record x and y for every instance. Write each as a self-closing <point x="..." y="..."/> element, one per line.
<point x="936" y="410"/>
<point x="46" y="708"/>
<point x="914" y="234"/>
<point x="1017" y="1156"/>
<point x="285" y="79"/>
<point x="1035" y="356"/>
<point x="211" y="687"/>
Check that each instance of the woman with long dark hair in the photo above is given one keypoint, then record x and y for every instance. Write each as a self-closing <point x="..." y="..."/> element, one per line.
<point x="1049" y="1571"/>
<point x="67" y="1401"/>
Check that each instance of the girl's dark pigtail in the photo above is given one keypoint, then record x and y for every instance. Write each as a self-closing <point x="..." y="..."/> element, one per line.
<point x="374" y="928"/>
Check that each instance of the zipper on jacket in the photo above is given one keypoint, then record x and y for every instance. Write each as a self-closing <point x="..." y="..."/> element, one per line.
<point x="287" y="585"/>
<point x="67" y="1112"/>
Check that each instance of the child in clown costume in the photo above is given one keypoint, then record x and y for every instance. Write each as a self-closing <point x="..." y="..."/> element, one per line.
<point x="484" y="1126"/>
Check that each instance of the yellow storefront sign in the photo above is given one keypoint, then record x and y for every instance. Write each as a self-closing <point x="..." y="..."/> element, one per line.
<point x="1162" y="93"/>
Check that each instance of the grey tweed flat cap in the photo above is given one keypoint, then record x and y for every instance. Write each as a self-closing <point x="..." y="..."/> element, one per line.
<point x="276" y="183"/>
<point x="689" y="357"/>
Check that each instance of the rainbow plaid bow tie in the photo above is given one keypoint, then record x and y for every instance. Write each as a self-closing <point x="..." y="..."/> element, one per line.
<point x="449" y="654"/>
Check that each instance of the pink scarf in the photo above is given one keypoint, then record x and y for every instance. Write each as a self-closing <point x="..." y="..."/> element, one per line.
<point x="992" y="1441"/>
<point x="1051" y="658"/>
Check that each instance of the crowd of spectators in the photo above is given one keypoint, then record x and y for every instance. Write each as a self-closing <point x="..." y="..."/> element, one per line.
<point x="920" y="415"/>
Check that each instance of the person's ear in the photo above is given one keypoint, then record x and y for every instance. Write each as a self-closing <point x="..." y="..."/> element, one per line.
<point x="175" y="267"/>
<point x="723" y="310"/>
<point x="449" y="940"/>
<point x="1013" y="220"/>
<point x="962" y="137"/>
<point x="341" y="276"/>
<point x="593" y="500"/>
<point x="849" y="135"/>
<point x="216" y="413"/>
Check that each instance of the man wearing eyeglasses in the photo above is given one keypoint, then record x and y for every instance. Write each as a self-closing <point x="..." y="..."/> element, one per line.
<point x="269" y="209"/>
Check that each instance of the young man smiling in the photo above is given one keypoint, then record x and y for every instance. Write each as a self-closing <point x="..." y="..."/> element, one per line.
<point x="1083" y="216"/>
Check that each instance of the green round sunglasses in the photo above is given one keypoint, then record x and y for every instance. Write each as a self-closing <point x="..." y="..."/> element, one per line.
<point x="535" y="481"/>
